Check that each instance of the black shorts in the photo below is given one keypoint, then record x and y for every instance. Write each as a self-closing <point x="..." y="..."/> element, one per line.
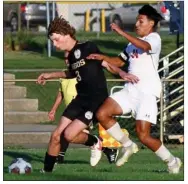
<point x="84" y="108"/>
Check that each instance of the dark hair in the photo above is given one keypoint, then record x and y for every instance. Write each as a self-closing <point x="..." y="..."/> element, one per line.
<point x="151" y="13"/>
<point x="60" y="26"/>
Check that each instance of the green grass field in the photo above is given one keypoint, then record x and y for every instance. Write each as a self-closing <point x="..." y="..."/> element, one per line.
<point x="143" y="166"/>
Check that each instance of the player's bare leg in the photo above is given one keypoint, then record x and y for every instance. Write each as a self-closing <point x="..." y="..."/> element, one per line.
<point x="105" y="115"/>
<point x="143" y="131"/>
<point x="74" y="129"/>
<point x="54" y="145"/>
<point x="74" y="133"/>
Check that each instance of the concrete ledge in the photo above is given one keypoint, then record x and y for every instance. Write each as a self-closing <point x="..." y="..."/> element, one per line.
<point x="19" y="138"/>
<point x="15" y="117"/>
<point x="12" y="92"/>
<point x="8" y="128"/>
<point x="20" y="104"/>
<point x="30" y="135"/>
<point x="8" y="76"/>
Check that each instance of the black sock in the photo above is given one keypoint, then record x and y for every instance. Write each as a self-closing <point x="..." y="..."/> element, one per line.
<point x="91" y="140"/>
<point x="49" y="162"/>
<point x="64" y="145"/>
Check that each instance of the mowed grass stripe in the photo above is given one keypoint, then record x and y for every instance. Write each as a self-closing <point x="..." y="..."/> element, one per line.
<point x="142" y="166"/>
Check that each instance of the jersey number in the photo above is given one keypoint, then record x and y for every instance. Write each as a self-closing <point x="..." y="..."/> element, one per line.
<point x="78" y="76"/>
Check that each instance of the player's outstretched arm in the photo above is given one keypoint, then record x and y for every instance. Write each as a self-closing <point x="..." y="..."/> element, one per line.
<point x="112" y="60"/>
<point x="126" y="76"/>
<point x="109" y="67"/>
<point x="54" y="75"/>
<point x="145" y="46"/>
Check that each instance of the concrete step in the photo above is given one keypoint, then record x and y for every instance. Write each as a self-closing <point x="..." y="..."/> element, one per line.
<point x="28" y="127"/>
<point x="9" y="76"/>
<point x="19" y="134"/>
<point x="20" y="104"/>
<point x="23" y="138"/>
<point x="16" y="117"/>
<point x="12" y="92"/>
<point x="29" y="135"/>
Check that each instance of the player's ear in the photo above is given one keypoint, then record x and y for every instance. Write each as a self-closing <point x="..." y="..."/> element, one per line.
<point x="152" y="23"/>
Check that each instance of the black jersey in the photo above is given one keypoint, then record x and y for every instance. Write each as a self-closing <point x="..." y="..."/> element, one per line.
<point x="89" y="73"/>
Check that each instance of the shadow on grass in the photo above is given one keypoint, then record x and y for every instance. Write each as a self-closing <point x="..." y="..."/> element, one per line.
<point x="25" y="156"/>
<point x="75" y="162"/>
<point x="49" y="177"/>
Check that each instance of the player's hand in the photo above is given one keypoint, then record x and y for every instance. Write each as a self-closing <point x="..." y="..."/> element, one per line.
<point x="51" y="115"/>
<point x="105" y="64"/>
<point x="42" y="78"/>
<point x="116" y="28"/>
<point x="128" y="77"/>
<point x="95" y="56"/>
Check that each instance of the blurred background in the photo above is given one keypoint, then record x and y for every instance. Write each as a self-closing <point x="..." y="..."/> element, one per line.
<point x="28" y="52"/>
<point x="87" y="16"/>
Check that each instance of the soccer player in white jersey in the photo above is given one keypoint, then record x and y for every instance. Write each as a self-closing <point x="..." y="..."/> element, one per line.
<point x="142" y="54"/>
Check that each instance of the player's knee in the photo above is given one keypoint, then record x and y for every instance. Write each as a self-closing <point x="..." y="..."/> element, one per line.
<point x="68" y="137"/>
<point x="55" y="138"/>
<point x="101" y="115"/>
<point x="143" y="136"/>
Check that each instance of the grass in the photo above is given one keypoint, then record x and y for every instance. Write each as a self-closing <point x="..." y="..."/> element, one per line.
<point x="143" y="166"/>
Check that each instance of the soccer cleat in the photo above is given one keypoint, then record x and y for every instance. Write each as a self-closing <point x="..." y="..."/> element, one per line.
<point x="126" y="153"/>
<point x="96" y="153"/>
<point x="60" y="158"/>
<point x="111" y="154"/>
<point x="175" y="168"/>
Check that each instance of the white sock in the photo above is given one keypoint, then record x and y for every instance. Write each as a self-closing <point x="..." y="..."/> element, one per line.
<point x="165" y="155"/>
<point x="116" y="132"/>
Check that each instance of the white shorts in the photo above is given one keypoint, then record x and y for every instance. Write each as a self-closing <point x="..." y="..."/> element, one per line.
<point x="142" y="106"/>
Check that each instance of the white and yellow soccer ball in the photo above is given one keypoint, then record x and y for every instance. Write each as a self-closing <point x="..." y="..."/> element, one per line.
<point x="20" y="166"/>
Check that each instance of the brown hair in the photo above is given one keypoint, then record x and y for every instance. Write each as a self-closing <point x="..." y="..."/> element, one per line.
<point x="60" y="26"/>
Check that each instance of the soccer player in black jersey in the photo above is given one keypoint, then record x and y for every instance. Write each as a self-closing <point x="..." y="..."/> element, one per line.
<point x="91" y="89"/>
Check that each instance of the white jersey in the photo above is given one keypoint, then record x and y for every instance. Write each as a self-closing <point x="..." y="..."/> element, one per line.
<point x="144" y="65"/>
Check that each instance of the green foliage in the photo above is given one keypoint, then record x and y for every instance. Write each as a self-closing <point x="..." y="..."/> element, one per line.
<point x="22" y="37"/>
<point x="8" y="39"/>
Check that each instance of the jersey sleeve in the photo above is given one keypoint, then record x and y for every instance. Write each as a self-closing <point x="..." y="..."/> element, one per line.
<point x="123" y="55"/>
<point x="155" y="42"/>
<point x="93" y="49"/>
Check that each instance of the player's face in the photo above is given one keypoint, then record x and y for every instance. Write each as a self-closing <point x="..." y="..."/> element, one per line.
<point x="143" y="25"/>
<point x="59" y="41"/>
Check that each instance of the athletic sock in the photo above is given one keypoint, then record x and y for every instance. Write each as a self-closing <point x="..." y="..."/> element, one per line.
<point x="64" y="146"/>
<point x="116" y="132"/>
<point x="49" y="162"/>
<point x="165" y="155"/>
<point x="91" y="140"/>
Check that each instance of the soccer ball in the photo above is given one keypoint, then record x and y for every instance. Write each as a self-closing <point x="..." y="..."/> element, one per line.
<point x="20" y="166"/>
